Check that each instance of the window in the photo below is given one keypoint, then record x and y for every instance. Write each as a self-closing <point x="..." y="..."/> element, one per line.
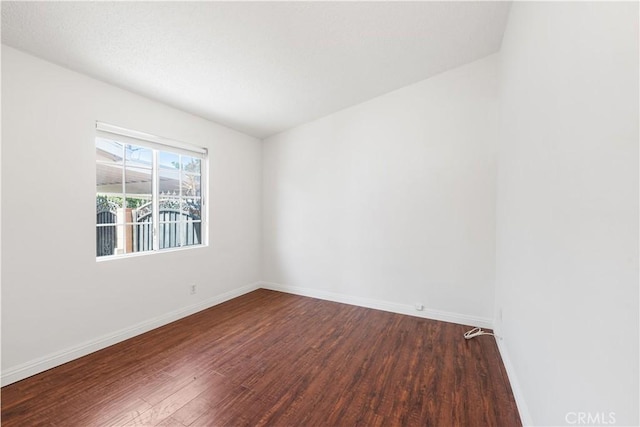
<point x="149" y="193"/>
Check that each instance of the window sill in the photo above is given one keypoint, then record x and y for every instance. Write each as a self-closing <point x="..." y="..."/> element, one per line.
<point x="147" y="253"/>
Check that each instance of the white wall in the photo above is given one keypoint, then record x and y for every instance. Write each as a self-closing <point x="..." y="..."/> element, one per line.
<point x="390" y="202"/>
<point x="57" y="301"/>
<point x="567" y="234"/>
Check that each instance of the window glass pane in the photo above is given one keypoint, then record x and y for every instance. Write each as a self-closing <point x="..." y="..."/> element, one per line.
<point x="191" y="164"/>
<point x="169" y="182"/>
<point x="169" y="208"/>
<point x="169" y="161"/>
<point x="108" y="151"/>
<point x="180" y="233"/>
<point x="192" y="233"/>
<point x="190" y="185"/>
<point x="108" y="167"/>
<point x="137" y="185"/>
<point x="139" y="156"/>
<point x="105" y="240"/>
<point x="108" y="179"/>
<point x="170" y="235"/>
<point x="142" y="213"/>
<point x="191" y="207"/>
<point x="140" y="201"/>
<point x="141" y="235"/>
<point x="169" y="216"/>
<point x="124" y="239"/>
<point x="107" y="209"/>
<point x="114" y="240"/>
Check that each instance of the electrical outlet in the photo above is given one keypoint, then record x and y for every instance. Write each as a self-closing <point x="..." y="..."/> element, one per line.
<point x="419" y="306"/>
<point x="193" y="289"/>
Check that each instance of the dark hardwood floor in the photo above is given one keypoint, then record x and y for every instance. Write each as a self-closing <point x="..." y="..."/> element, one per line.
<point x="269" y="358"/>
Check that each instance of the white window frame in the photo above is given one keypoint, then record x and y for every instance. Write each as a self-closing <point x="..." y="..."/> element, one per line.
<point x="157" y="144"/>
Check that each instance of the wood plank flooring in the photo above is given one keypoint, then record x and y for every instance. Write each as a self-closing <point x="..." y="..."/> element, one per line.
<point x="273" y="359"/>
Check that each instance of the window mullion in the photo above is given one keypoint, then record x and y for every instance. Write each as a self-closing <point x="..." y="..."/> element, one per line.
<point x="123" y="224"/>
<point x="180" y="202"/>
<point x="155" y="197"/>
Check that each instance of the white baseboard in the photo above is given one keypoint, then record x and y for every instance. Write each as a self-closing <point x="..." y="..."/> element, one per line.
<point x="525" y="416"/>
<point x="392" y="307"/>
<point x="49" y="361"/>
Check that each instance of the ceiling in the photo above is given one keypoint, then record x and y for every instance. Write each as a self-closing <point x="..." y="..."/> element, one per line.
<point x="258" y="67"/>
